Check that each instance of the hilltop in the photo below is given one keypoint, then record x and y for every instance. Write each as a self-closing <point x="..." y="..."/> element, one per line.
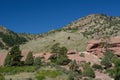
<point x="72" y="36"/>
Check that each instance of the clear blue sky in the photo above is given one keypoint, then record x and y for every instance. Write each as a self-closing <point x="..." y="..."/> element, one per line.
<point x="38" y="16"/>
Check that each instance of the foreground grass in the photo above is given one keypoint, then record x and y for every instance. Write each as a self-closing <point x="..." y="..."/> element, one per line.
<point x="47" y="73"/>
<point x="18" y="69"/>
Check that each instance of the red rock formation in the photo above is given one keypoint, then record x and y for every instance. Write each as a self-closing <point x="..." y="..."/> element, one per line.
<point x="95" y="46"/>
<point x="2" y="58"/>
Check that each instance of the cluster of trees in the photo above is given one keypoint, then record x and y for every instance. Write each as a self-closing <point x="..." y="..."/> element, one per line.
<point x="12" y="39"/>
<point x="59" y="55"/>
<point x="13" y="58"/>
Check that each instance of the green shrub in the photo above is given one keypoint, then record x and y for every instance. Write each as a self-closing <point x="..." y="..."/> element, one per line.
<point x="37" y="61"/>
<point x="115" y="72"/>
<point x="108" y="59"/>
<point x="62" y="60"/>
<point x="71" y="76"/>
<point x="74" y="66"/>
<point x="88" y="71"/>
<point x="96" y="66"/>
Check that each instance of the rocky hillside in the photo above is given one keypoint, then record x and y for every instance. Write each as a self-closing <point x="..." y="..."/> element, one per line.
<point x="9" y="38"/>
<point x="75" y="35"/>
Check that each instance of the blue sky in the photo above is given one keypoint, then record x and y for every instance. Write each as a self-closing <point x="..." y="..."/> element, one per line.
<point x="39" y="16"/>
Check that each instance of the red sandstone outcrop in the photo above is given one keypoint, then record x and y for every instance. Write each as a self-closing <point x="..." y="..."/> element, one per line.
<point x="95" y="46"/>
<point x="2" y="58"/>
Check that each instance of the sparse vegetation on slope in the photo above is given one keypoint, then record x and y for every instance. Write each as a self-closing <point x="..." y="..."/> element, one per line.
<point x="73" y="36"/>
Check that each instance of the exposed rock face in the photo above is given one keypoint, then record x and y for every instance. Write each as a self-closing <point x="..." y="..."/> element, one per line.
<point x="95" y="46"/>
<point x="2" y="58"/>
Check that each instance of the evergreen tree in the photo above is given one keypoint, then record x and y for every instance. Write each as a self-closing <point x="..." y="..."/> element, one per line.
<point x="29" y="59"/>
<point x="15" y="54"/>
<point x="7" y="60"/>
<point x="59" y="55"/>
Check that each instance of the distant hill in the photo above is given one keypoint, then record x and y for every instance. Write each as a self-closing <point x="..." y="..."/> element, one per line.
<point x="73" y="36"/>
<point x="9" y="38"/>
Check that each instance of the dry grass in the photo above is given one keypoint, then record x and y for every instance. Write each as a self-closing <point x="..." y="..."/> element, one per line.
<point x="21" y="76"/>
<point x="76" y="41"/>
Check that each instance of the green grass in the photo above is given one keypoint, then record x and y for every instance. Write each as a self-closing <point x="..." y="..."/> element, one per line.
<point x="14" y="70"/>
<point x="47" y="73"/>
<point x="2" y="77"/>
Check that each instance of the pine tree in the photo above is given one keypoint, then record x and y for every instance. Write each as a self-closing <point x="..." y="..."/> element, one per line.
<point x="29" y="59"/>
<point x="7" y="60"/>
<point x="15" y="54"/>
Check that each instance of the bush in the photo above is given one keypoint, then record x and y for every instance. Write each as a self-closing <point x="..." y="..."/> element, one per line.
<point x="73" y="66"/>
<point x="70" y="76"/>
<point x="62" y="60"/>
<point x="115" y="72"/>
<point x="37" y="61"/>
<point x="117" y="63"/>
<point x="108" y="59"/>
<point x="96" y="66"/>
<point x="88" y="71"/>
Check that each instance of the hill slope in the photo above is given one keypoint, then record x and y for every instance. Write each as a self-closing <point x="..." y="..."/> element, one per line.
<point x="71" y="36"/>
<point x="9" y="38"/>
